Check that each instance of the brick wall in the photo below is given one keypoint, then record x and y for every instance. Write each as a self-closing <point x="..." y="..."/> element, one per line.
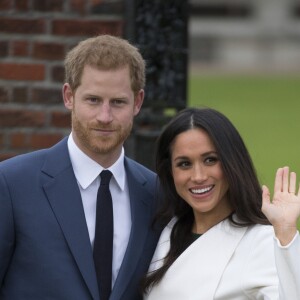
<point x="34" y="38"/>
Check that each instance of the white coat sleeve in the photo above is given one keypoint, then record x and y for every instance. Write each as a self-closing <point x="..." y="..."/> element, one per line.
<point x="287" y="260"/>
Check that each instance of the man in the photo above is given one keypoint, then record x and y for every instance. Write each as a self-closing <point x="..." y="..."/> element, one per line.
<point x="48" y="198"/>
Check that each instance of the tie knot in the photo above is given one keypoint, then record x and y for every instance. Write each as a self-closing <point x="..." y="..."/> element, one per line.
<point x="105" y="177"/>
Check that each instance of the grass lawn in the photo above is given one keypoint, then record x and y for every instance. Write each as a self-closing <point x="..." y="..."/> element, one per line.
<point x="265" y="110"/>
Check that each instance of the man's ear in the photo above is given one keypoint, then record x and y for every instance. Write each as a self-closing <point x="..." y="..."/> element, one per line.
<point x="138" y="101"/>
<point x="68" y="96"/>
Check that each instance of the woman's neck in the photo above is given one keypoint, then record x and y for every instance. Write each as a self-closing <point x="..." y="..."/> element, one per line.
<point x="204" y="221"/>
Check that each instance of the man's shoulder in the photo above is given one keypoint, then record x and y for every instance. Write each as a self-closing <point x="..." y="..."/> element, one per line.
<point x="134" y="165"/>
<point x="29" y="160"/>
<point x="139" y="173"/>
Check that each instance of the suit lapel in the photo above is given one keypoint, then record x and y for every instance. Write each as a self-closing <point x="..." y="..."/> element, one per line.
<point x="64" y="197"/>
<point x="140" y="198"/>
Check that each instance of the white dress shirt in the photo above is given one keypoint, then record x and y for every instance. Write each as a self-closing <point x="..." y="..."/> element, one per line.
<point x="87" y="174"/>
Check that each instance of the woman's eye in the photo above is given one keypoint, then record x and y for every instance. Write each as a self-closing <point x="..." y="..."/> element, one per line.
<point x="183" y="164"/>
<point x="211" y="160"/>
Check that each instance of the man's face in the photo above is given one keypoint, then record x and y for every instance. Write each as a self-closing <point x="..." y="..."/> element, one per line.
<point x="103" y="107"/>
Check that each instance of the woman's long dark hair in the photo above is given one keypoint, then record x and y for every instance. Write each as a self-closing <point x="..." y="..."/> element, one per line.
<point x="244" y="191"/>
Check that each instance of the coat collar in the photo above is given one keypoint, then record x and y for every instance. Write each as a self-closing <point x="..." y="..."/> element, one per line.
<point x="140" y="200"/>
<point x="200" y="267"/>
<point x="63" y="194"/>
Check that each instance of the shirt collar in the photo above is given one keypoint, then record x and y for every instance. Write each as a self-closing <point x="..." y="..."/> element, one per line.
<point x="87" y="170"/>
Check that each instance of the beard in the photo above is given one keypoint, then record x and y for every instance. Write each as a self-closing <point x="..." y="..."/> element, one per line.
<point x="94" y="143"/>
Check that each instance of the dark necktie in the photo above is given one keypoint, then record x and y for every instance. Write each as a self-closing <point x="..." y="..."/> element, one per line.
<point x="103" y="243"/>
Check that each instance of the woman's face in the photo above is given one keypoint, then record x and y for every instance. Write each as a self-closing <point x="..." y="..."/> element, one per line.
<point x="198" y="174"/>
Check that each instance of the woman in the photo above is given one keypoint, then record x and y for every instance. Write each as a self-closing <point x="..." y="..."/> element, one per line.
<point x="219" y="243"/>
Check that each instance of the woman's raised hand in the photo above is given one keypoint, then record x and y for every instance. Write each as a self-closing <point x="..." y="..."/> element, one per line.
<point x="284" y="210"/>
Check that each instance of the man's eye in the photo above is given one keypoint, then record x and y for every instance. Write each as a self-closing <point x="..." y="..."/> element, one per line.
<point x="92" y="99"/>
<point x="118" y="102"/>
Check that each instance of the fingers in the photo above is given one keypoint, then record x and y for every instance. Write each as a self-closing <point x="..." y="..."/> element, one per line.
<point x="278" y="180"/>
<point x="292" y="187"/>
<point x="285" y="181"/>
<point x="266" y="195"/>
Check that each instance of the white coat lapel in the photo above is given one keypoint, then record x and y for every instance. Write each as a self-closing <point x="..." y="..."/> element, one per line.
<point x="197" y="272"/>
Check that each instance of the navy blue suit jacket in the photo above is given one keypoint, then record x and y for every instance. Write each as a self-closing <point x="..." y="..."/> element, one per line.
<point x="45" y="251"/>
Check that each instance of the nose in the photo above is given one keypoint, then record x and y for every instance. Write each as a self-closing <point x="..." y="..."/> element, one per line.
<point x="199" y="174"/>
<point x="104" y="114"/>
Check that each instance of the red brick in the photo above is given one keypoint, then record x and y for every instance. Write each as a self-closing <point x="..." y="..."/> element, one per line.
<point x="24" y="26"/>
<point x="44" y="140"/>
<point x="4" y="48"/>
<point x="18" y="140"/>
<point x="96" y="2"/>
<point x="22" y="5"/>
<point x="49" y="51"/>
<point x="20" y="48"/>
<point x="1" y="140"/>
<point x="86" y="27"/>
<point x="22" y="118"/>
<point x="6" y="4"/>
<point x="107" y="7"/>
<point x="61" y="119"/>
<point x="58" y="74"/>
<point x="46" y="96"/>
<point x="3" y="95"/>
<point x="7" y="155"/>
<point x="48" y="5"/>
<point x="78" y="6"/>
<point x="20" y="95"/>
<point x="11" y="71"/>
